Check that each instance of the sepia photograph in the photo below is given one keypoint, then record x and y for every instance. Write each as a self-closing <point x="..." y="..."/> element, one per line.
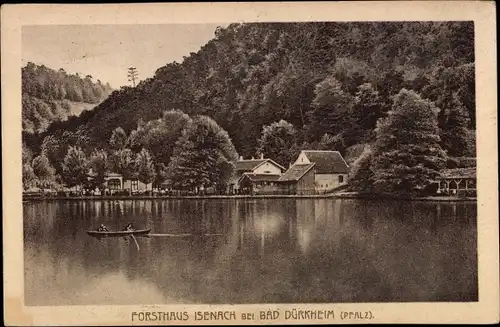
<point x="250" y="163"/>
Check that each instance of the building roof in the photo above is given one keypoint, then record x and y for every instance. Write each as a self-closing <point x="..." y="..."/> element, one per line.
<point x="459" y="173"/>
<point x="261" y="177"/>
<point x="113" y="175"/>
<point x="252" y="164"/>
<point x="327" y="162"/>
<point x="296" y="172"/>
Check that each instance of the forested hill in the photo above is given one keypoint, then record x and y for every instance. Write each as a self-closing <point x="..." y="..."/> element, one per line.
<point x="49" y="96"/>
<point x="331" y="81"/>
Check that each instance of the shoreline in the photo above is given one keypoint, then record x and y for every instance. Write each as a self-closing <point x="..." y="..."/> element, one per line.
<point x="245" y="197"/>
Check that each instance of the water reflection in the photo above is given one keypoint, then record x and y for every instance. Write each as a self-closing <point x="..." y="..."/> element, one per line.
<point x="251" y="251"/>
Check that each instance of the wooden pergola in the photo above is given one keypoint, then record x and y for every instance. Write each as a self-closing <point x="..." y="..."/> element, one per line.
<point x="455" y="181"/>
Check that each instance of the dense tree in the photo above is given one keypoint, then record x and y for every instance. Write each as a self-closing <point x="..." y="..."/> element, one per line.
<point x="145" y="167"/>
<point x="43" y="170"/>
<point x="54" y="151"/>
<point x="251" y="75"/>
<point x="159" y="136"/>
<point x="98" y="164"/>
<point x="123" y="162"/>
<point x="367" y="109"/>
<point x="29" y="177"/>
<point x="161" y="173"/>
<point x="455" y="132"/>
<point x="118" y="139"/>
<point x="332" y="106"/>
<point x="279" y="142"/>
<point x="361" y="177"/>
<point x="75" y="167"/>
<point x="331" y="81"/>
<point x="27" y="154"/>
<point x="201" y="156"/>
<point x="407" y="155"/>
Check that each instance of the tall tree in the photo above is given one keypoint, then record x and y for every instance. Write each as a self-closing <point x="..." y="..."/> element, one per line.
<point x="201" y="156"/>
<point x="331" y="108"/>
<point x="132" y="75"/>
<point x="98" y="163"/>
<point x="159" y="136"/>
<point x="455" y="132"/>
<point x="75" y="167"/>
<point x="123" y="162"/>
<point x="407" y="155"/>
<point x="43" y="170"/>
<point x="146" y="171"/>
<point x="279" y="142"/>
<point x="367" y="109"/>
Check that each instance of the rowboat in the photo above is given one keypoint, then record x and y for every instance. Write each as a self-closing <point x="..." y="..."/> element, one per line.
<point x="119" y="233"/>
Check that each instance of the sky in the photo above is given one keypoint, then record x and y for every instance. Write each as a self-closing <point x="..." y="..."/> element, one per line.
<point x="106" y="51"/>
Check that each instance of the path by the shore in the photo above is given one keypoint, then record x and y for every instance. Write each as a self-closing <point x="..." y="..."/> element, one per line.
<point x="340" y="195"/>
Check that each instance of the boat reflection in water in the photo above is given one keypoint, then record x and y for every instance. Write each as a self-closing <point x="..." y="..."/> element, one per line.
<point x="250" y="251"/>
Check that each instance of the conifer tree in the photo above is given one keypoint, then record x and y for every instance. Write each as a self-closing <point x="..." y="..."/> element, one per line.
<point x="455" y="133"/>
<point x="407" y="155"/>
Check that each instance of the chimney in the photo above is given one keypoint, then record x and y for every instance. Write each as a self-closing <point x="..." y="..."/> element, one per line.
<point x="262" y="156"/>
<point x="253" y="158"/>
<point x="241" y="158"/>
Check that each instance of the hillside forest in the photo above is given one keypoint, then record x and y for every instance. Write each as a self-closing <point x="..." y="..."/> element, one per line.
<point x="397" y="99"/>
<point x="49" y="96"/>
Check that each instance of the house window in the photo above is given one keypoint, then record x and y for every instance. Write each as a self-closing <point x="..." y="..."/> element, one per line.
<point x="341" y="178"/>
<point x="326" y="185"/>
<point x="135" y="185"/>
<point x="267" y="172"/>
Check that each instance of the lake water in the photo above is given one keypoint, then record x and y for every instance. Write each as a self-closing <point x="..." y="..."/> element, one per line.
<point x="250" y="251"/>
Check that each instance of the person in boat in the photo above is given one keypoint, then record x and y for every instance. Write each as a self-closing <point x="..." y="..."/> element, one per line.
<point x="129" y="227"/>
<point x="102" y="228"/>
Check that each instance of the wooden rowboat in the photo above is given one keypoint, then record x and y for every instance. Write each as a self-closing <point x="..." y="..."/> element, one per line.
<point x="119" y="233"/>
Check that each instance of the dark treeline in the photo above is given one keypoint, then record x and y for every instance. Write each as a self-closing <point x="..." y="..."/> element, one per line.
<point x="186" y="151"/>
<point x="49" y="95"/>
<point x="330" y="83"/>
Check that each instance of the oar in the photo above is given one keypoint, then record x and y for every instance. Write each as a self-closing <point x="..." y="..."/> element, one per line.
<point x="170" y="235"/>
<point x="133" y="237"/>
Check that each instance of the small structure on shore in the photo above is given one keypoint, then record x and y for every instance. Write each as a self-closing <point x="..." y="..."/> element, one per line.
<point x="457" y="181"/>
<point x="259" y="171"/>
<point x="330" y="169"/>
<point x="299" y="180"/>
<point x="250" y="183"/>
